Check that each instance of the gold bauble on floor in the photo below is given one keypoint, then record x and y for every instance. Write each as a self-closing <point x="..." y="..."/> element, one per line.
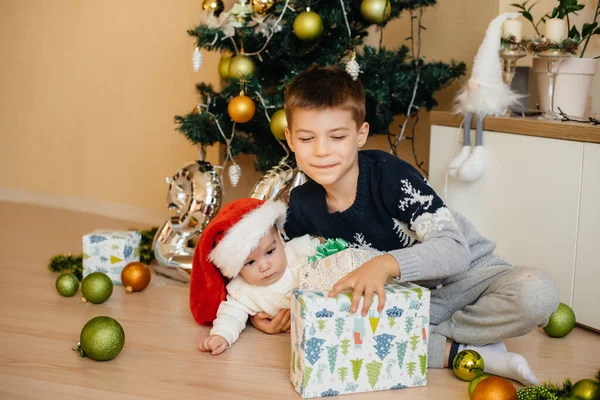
<point x="467" y="365"/>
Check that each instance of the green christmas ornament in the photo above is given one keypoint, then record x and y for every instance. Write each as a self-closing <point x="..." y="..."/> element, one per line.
<point x="101" y="339"/>
<point x="96" y="288"/>
<point x="67" y="284"/>
<point x="475" y="381"/>
<point x="586" y="389"/>
<point x="467" y="365"/>
<point x="561" y="322"/>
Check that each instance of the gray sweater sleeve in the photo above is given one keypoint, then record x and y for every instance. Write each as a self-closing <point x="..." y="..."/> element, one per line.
<point x="441" y="249"/>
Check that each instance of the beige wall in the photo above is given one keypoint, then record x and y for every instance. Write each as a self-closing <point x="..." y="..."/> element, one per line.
<point x="88" y="91"/>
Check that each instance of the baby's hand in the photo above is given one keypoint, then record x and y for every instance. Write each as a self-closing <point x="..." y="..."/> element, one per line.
<point x="280" y="323"/>
<point x="369" y="278"/>
<point x="215" y="343"/>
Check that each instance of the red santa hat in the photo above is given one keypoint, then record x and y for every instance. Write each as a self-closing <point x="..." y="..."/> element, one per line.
<point x="223" y="247"/>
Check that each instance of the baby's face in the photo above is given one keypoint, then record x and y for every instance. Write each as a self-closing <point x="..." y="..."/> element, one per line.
<point x="267" y="263"/>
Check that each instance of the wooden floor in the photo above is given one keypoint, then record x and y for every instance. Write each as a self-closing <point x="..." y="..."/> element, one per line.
<point x="160" y="359"/>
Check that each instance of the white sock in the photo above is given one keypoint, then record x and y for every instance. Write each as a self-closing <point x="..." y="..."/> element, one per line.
<point x="499" y="361"/>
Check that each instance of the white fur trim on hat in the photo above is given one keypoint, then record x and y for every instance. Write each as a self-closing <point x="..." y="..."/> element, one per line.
<point x="243" y="237"/>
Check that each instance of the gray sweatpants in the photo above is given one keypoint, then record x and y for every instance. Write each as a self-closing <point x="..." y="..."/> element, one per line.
<point x="487" y="304"/>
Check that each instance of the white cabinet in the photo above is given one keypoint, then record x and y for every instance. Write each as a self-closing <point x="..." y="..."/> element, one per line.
<point x="586" y="298"/>
<point x="528" y="201"/>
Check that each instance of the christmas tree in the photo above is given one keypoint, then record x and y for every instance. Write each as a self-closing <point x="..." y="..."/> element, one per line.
<point x="266" y="43"/>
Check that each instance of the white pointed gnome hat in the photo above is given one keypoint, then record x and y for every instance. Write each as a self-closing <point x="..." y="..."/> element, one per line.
<point x="492" y="96"/>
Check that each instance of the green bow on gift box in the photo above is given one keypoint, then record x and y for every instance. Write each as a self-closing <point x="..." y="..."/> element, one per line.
<point x="331" y="246"/>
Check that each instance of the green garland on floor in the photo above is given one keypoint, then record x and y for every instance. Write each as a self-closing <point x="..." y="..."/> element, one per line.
<point x="549" y="391"/>
<point x="74" y="263"/>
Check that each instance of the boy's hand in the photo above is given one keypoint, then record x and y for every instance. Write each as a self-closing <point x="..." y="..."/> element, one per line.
<point x="369" y="278"/>
<point x="215" y="343"/>
<point x="280" y="323"/>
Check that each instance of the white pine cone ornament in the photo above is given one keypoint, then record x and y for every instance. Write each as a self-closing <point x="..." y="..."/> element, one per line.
<point x="235" y="172"/>
<point x="352" y="68"/>
<point x="197" y="60"/>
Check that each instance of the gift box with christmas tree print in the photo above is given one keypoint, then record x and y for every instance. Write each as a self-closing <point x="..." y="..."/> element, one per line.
<point x="110" y="251"/>
<point x="335" y="352"/>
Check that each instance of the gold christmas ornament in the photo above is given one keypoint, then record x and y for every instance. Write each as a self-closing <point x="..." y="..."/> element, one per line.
<point x="375" y="11"/>
<point x="467" y="365"/>
<point x="135" y="277"/>
<point x="224" y="64"/>
<point x="308" y="25"/>
<point x="586" y="389"/>
<point x="241" y="67"/>
<point x="495" y="388"/>
<point x="215" y="6"/>
<point x="278" y="124"/>
<point x="262" y="7"/>
<point x="241" y="108"/>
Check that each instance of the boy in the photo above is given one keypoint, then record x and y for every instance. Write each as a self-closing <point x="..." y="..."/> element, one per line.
<point x="242" y="243"/>
<point x="375" y="200"/>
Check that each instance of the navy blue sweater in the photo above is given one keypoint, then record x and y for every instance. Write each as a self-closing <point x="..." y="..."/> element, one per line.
<point x="394" y="209"/>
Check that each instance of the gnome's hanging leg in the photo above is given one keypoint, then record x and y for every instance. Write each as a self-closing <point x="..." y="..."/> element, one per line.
<point x="458" y="161"/>
<point x="473" y="168"/>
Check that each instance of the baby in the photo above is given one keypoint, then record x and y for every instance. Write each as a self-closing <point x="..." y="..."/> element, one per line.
<point x="243" y="244"/>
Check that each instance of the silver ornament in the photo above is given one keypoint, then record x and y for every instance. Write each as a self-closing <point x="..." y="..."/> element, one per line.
<point x="272" y="182"/>
<point x="196" y="60"/>
<point x="352" y="67"/>
<point x="278" y="182"/>
<point x="298" y="179"/>
<point x="195" y="193"/>
<point x="235" y="172"/>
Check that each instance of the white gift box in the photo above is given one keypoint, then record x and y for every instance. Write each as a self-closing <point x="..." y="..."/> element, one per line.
<point x="110" y="251"/>
<point x="335" y="352"/>
<point x="324" y="273"/>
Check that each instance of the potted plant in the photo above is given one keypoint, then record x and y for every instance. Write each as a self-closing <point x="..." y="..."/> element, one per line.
<point x="576" y="73"/>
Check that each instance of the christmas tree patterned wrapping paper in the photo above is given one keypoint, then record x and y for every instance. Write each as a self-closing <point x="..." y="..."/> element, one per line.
<point x="335" y="352"/>
<point x="110" y="251"/>
<point x="324" y="273"/>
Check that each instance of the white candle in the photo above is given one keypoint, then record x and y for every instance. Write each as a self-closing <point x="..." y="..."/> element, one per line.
<point x="556" y="29"/>
<point x="513" y="27"/>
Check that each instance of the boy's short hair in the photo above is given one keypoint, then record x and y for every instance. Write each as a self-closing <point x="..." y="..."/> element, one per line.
<point x="323" y="88"/>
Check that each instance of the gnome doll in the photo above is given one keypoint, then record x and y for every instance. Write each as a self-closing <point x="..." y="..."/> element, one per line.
<point x="484" y="94"/>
